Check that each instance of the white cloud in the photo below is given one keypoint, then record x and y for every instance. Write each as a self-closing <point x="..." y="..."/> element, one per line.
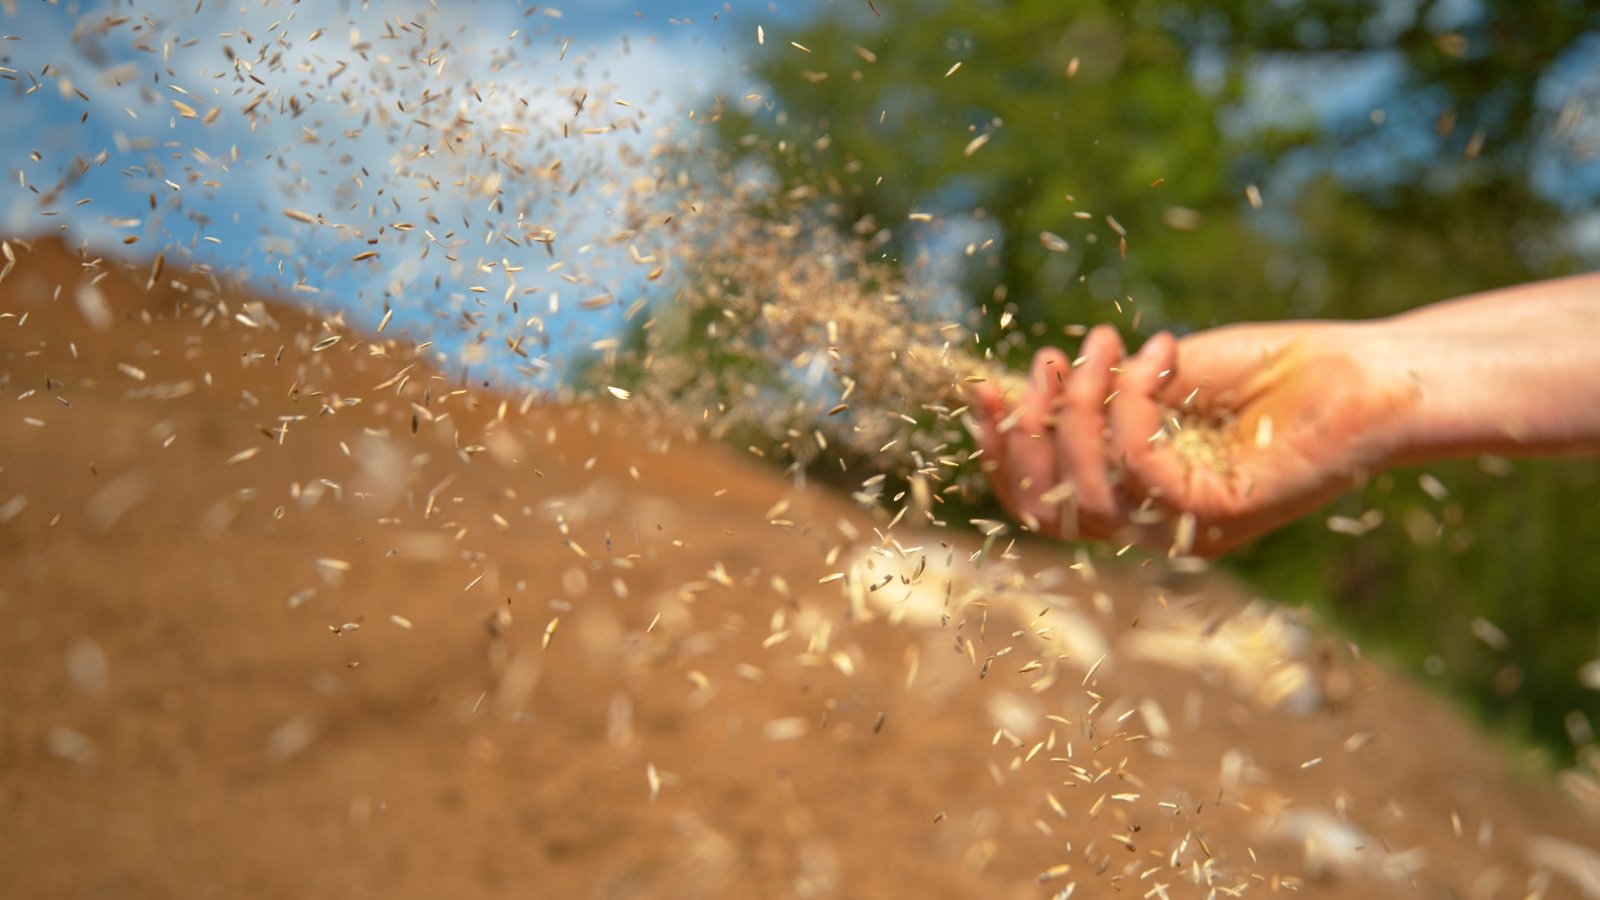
<point x="448" y="119"/>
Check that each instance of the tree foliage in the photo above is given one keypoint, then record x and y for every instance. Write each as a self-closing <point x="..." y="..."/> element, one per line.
<point x="1180" y="165"/>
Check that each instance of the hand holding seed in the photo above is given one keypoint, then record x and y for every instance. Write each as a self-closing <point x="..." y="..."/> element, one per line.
<point x="1192" y="446"/>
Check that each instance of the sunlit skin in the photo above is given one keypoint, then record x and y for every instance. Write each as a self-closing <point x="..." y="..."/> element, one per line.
<point x="1307" y="410"/>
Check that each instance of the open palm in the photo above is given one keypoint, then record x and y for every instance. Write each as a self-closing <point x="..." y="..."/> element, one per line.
<point x="1297" y="413"/>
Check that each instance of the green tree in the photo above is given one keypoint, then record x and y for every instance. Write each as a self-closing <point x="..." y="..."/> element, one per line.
<point x="1071" y="132"/>
<point x="1178" y="165"/>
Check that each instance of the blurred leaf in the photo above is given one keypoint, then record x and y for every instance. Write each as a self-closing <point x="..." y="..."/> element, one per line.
<point x="1396" y="149"/>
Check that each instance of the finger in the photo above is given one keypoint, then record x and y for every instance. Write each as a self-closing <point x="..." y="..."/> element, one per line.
<point x="990" y="409"/>
<point x="1050" y="369"/>
<point x="1081" y="429"/>
<point x="1139" y="423"/>
<point x="1057" y="499"/>
<point x="1031" y="454"/>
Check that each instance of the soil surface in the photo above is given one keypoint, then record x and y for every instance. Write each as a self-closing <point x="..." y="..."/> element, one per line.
<point x="289" y="616"/>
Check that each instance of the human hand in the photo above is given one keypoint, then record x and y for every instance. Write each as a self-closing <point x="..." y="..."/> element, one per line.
<point x="1291" y="415"/>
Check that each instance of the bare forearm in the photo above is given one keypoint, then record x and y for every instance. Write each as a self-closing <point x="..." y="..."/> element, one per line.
<point x="1514" y="371"/>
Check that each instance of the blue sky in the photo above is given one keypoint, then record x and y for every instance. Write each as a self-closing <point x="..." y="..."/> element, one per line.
<point x="353" y="115"/>
<point x="429" y="134"/>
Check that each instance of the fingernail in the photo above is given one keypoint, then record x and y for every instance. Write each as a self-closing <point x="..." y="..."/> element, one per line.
<point x="1148" y="348"/>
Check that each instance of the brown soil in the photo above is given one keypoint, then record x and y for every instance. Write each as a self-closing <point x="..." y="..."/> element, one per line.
<point x="593" y="664"/>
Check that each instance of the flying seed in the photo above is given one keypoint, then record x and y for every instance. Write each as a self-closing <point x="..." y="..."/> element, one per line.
<point x="653" y="779"/>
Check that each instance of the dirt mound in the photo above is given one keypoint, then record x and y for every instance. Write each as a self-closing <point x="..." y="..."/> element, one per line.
<point x="287" y="613"/>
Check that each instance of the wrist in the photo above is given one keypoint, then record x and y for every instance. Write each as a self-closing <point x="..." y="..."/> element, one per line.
<point x="1396" y="364"/>
<point x="1484" y="385"/>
